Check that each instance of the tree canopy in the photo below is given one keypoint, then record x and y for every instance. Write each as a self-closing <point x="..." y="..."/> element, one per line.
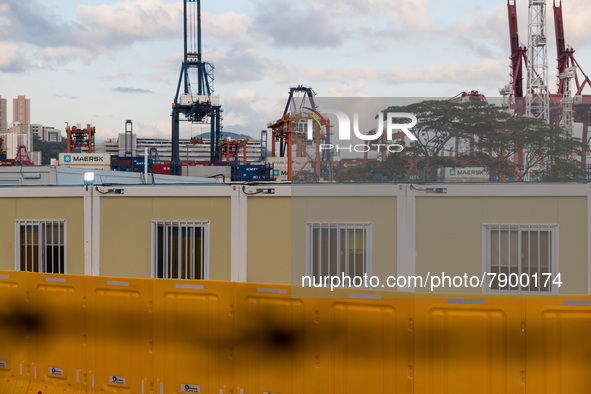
<point x="493" y="138"/>
<point x="393" y="169"/>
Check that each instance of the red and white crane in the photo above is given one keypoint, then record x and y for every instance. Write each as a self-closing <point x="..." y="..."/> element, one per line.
<point x="576" y="107"/>
<point x="537" y="99"/>
<point x="566" y="56"/>
<point x="518" y="60"/>
<point x="568" y="105"/>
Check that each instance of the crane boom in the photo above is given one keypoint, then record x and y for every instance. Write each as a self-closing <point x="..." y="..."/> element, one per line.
<point x="566" y="55"/>
<point x="193" y="98"/>
<point x="518" y="52"/>
<point x="562" y="51"/>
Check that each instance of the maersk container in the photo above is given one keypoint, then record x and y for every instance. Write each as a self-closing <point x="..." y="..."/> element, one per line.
<point x="96" y="161"/>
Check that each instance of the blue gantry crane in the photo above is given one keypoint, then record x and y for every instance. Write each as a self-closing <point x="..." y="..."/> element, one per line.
<point x="194" y="98"/>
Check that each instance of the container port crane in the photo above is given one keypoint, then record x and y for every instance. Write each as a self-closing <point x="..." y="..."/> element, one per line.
<point x="288" y="131"/>
<point x="518" y="60"/>
<point x="576" y="107"/>
<point x="22" y="156"/>
<point x="194" y="98"/>
<point x="568" y="104"/>
<point x="80" y="138"/>
<point x="566" y="55"/>
<point x="537" y="99"/>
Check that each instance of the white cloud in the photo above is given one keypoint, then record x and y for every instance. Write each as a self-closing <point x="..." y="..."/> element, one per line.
<point x="156" y="129"/>
<point x="120" y="76"/>
<point x="245" y="111"/>
<point x="341" y="74"/>
<point x="577" y="15"/>
<point x="243" y="65"/>
<point x="347" y="90"/>
<point x="410" y="14"/>
<point x="484" y="72"/>
<point x="64" y="54"/>
<point x="145" y="19"/>
<point x="229" y="26"/>
<point x="285" y="24"/>
<point x="122" y="23"/>
<point x="13" y="57"/>
<point x="98" y="29"/>
<point x="246" y="95"/>
<point x="126" y="22"/>
<point x="177" y="58"/>
<point x="488" y="71"/>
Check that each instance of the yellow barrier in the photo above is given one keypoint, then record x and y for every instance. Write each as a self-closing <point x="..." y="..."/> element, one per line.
<point x="57" y="360"/>
<point x="558" y="346"/>
<point x="71" y="334"/>
<point x="193" y="337"/>
<point x="270" y="346"/>
<point x="15" y="321"/>
<point x="120" y="335"/>
<point x="365" y="342"/>
<point x="464" y="345"/>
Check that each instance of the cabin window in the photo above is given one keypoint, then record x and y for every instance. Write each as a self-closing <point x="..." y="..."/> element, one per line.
<point x="41" y="246"/>
<point x="180" y="249"/>
<point x="338" y="249"/>
<point x="522" y="258"/>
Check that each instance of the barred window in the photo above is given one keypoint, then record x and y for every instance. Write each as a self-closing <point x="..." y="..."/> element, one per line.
<point x="41" y="246"/>
<point x="336" y="249"/>
<point x="180" y="249"/>
<point x="527" y="252"/>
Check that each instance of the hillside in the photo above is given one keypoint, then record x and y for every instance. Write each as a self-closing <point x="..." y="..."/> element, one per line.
<point x="50" y="150"/>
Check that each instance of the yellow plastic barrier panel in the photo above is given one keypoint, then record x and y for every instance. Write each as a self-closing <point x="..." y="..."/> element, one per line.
<point x="273" y="353"/>
<point x="193" y="336"/>
<point x="16" y="323"/>
<point x="58" y="345"/>
<point x="558" y="345"/>
<point x="67" y="334"/>
<point x="469" y="345"/>
<point x="366" y="342"/>
<point x="120" y="339"/>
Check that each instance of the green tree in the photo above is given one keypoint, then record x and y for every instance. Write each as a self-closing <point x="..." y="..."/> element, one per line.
<point x="393" y="169"/>
<point x="504" y="143"/>
<point x="440" y="122"/>
<point x="358" y="173"/>
<point x="524" y="147"/>
<point x="50" y="150"/>
<point x="305" y="177"/>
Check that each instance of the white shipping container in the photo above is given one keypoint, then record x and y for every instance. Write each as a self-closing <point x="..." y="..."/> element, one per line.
<point x="280" y="166"/>
<point x="96" y="161"/>
<point x="466" y="174"/>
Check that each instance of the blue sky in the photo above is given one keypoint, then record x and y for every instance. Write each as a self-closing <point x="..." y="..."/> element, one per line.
<point x="106" y="61"/>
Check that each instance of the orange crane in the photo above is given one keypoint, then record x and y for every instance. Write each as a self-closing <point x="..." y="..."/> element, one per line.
<point x="287" y="133"/>
<point x="22" y="156"/>
<point x="80" y="137"/>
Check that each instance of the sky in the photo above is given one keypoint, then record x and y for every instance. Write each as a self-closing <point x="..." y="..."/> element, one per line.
<point x="106" y="61"/>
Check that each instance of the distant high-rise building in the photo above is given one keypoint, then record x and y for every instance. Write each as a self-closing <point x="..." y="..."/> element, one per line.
<point x="21" y="110"/>
<point x="3" y="114"/>
<point x="46" y="133"/>
<point x="12" y="141"/>
<point x="19" y="128"/>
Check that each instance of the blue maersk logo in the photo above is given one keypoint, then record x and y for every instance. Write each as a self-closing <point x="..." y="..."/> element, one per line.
<point x="67" y="158"/>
